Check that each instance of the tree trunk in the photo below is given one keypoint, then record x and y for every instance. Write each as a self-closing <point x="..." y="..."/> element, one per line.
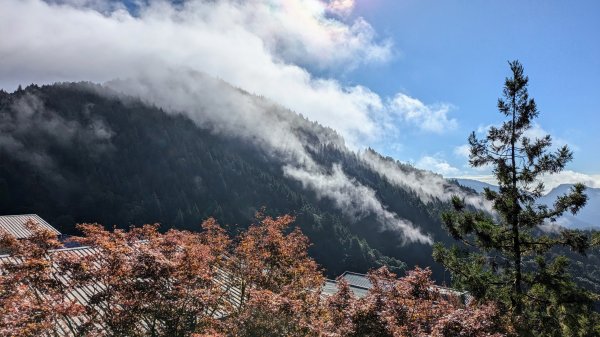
<point x="516" y="298"/>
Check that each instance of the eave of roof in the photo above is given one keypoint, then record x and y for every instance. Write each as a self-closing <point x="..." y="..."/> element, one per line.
<point x="15" y="225"/>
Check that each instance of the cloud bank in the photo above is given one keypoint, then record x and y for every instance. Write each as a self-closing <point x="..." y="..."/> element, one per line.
<point x="28" y="115"/>
<point x="217" y="106"/>
<point x="267" y="48"/>
<point x="428" y="118"/>
<point x="427" y="185"/>
<point x="355" y="199"/>
<point x="551" y="181"/>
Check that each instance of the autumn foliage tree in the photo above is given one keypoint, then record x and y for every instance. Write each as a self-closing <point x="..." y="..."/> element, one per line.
<point x="409" y="306"/>
<point x="148" y="283"/>
<point x="141" y="282"/>
<point x="280" y="284"/>
<point x="32" y="300"/>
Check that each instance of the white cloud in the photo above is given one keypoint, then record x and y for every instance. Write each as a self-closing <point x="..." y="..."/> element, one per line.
<point x="356" y="199"/>
<point x="301" y="32"/>
<point x="427" y="185"/>
<point x="551" y="181"/>
<point x="483" y="129"/>
<point x="432" y="118"/>
<point x="462" y="151"/>
<point x="214" y="105"/>
<point x="261" y="46"/>
<point x="341" y="7"/>
<point x="437" y="165"/>
<point x="292" y="30"/>
<point x="264" y="47"/>
<point x="28" y="115"/>
<point x="571" y="177"/>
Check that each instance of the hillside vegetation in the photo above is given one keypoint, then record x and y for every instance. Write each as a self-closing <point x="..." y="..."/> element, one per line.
<point x="76" y="153"/>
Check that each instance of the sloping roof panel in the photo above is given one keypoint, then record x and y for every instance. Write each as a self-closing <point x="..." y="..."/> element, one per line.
<point x="15" y="225"/>
<point x="329" y="288"/>
<point x="357" y="280"/>
<point x="82" y="294"/>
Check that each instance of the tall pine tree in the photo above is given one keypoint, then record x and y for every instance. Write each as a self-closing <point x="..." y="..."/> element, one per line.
<point x="505" y="254"/>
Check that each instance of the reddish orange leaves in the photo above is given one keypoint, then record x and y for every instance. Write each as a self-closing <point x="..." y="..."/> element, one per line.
<point x="142" y="282"/>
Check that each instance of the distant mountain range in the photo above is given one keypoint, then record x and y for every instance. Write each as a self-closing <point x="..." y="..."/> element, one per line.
<point x="476" y="185"/>
<point x="587" y="218"/>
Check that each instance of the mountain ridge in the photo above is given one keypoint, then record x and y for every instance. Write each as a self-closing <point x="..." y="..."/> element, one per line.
<point x="81" y="152"/>
<point x="122" y="161"/>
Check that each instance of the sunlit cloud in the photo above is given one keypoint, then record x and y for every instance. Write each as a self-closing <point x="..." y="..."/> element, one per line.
<point x="437" y="165"/>
<point x="341" y="7"/>
<point x="261" y="46"/>
<point x="432" y="118"/>
<point x="551" y="180"/>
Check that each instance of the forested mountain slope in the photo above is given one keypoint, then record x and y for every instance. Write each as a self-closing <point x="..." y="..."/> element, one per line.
<point x="77" y="153"/>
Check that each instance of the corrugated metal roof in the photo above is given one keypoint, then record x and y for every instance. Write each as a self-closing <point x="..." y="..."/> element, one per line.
<point x="360" y="285"/>
<point x="225" y="280"/>
<point x="78" y="294"/>
<point x="357" y="280"/>
<point x="15" y="225"/>
<point x="330" y="287"/>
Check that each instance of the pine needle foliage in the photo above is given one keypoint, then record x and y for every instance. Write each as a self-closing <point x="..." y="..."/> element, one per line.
<point x="505" y="254"/>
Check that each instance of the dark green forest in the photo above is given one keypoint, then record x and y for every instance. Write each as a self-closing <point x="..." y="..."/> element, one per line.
<point x="77" y="152"/>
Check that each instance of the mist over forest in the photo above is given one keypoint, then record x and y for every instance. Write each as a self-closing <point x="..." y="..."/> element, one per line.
<point x="79" y="152"/>
<point x="299" y="168"/>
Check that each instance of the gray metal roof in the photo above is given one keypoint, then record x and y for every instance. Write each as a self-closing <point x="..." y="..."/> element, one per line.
<point x="78" y="294"/>
<point x="15" y="225"/>
<point x="82" y="294"/>
<point x="357" y="280"/>
<point x="329" y="288"/>
<point x="360" y="285"/>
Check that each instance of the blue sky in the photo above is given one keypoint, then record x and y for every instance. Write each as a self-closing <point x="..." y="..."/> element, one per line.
<point x="456" y="52"/>
<point x="410" y="78"/>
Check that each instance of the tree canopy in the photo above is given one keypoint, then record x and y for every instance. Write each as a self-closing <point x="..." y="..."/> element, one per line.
<point x="509" y="255"/>
<point x="141" y="282"/>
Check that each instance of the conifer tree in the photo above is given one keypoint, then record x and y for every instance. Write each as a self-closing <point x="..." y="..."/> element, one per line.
<point x="504" y="254"/>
